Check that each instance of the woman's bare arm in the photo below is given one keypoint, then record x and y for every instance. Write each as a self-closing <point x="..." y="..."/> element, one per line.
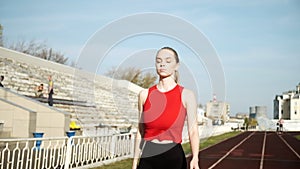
<point x="137" y="150"/>
<point x="190" y="103"/>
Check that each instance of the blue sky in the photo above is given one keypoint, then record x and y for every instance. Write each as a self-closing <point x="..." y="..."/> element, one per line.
<point x="257" y="41"/>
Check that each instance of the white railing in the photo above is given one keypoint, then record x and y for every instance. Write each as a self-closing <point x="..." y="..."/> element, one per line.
<point x="67" y="153"/>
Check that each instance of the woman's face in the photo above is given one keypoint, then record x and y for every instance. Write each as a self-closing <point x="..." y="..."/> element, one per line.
<point x="166" y="63"/>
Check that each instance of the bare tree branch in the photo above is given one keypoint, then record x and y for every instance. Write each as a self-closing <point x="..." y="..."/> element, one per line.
<point x="134" y="75"/>
<point x="39" y="50"/>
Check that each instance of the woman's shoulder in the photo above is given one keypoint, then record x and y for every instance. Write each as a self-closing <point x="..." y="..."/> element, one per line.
<point x="187" y="95"/>
<point x="143" y="93"/>
<point x="187" y="92"/>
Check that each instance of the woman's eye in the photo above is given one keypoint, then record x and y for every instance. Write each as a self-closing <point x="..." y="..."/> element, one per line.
<point x="169" y="60"/>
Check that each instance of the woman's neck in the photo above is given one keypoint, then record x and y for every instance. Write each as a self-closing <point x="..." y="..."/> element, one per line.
<point x="166" y="84"/>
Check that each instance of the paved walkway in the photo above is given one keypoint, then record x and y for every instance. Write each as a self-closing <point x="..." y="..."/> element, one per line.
<point x="254" y="150"/>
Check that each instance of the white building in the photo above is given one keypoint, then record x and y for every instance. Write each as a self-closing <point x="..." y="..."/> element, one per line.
<point x="287" y="105"/>
<point x="217" y="110"/>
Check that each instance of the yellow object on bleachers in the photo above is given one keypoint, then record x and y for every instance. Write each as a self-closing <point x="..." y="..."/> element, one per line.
<point x="74" y="126"/>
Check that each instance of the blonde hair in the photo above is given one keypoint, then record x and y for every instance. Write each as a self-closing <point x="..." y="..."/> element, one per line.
<point x="176" y="76"/>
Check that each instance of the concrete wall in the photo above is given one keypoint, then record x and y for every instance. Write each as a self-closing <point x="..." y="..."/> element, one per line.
<point x="22" y="116"/>
<point x="288" y="125"/>
<point x="15" y="119"/>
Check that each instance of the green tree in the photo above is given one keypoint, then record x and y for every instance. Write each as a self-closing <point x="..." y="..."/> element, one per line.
<point x="246" y="123"/>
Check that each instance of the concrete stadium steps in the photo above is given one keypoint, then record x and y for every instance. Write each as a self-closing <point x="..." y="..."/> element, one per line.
<point x="114" y="100"/>
<point x="91" y="116"/>
<point x="25" y="78"/>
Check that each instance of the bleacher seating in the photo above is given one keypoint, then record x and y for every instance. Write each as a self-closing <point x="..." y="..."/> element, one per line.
<point x="93" y="100"/>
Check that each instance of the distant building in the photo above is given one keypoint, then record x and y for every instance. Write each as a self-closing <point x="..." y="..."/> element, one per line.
<point x="217" y="110"/>
<point x="200" y="114"/>
<point x="287" y="105"/>
<point x="241" y="115"/>
<point x="257" y="111"/>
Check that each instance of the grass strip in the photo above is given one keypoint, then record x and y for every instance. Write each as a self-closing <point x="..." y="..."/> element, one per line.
<point x="126" y="164"/>
<point x="204" y="143"/>
<point x="297" y="137"/>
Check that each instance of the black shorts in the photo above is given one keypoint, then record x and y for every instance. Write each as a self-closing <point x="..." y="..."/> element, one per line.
<point x="162" y="156"/>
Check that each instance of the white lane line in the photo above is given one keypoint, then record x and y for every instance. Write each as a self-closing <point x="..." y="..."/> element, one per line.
<point x="263" y="152"/>
<point x="216" y="163"/>
<point x="289" y="147"/>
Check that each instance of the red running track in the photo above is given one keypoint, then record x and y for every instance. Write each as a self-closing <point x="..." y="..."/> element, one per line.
<point x="253" y="150"/>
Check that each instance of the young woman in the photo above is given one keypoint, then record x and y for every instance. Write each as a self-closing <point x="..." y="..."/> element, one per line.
<point x="163" y="109"/>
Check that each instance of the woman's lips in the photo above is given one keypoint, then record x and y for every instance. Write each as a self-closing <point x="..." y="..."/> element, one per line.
<point x="162" y="70"/>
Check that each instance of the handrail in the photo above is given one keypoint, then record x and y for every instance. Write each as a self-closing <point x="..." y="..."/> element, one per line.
<point x="63" y="101"/>
<point x="64" y="152"/>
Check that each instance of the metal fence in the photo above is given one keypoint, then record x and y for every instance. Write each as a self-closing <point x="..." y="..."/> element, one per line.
<point x="64" y="152"/>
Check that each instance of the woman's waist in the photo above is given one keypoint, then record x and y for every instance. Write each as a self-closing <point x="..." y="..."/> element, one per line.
<point x="157" y="141"/>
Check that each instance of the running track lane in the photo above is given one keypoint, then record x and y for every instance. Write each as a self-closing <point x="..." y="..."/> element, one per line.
<point x="253" y="150"/>
<point x="210" y="155"/>
<point x="281" y="152"/>
<point x="246" y="155"/>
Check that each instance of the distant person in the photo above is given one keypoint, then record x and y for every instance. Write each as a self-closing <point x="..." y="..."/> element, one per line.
<point x="246" y="123"/>
<point x="39" y="90"/>
<point x="50" y="91"/>
<point x="1" y="79"/>
<point x="280" y="123"/>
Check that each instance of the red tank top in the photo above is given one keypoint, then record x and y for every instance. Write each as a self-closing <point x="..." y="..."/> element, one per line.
<point x="164" y="115"/>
